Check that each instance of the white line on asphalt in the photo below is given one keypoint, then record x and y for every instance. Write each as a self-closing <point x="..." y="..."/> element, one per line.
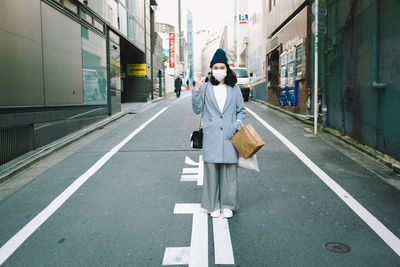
<point x="13" y="244"/>
<point x="391" y="240"/>
<point x="193" y="174"/>
<point x="176" y="256"/>
<point x="222" y="241"/>
<point x="198" y="252"/>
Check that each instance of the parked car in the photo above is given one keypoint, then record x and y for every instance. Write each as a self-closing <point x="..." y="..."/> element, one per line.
<point x="243" y="81"/>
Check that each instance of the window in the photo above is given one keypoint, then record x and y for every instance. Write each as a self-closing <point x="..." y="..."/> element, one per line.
<point x="86" y="17"/>
<point x="70" y="6"/>
<point x="110" y="13"/>
<point x="94" y="68"/>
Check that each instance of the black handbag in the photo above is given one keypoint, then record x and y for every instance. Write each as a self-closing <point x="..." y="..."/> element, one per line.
<point x="197" y="136"/>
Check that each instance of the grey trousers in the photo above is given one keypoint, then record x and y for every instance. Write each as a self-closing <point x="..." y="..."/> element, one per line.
<point x="220" y="189"/>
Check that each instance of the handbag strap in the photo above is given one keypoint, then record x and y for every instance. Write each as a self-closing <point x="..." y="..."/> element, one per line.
<point x="202" y="108"/>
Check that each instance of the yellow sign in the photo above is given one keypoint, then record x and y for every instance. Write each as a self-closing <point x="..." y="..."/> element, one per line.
<point x="137" y="70"/>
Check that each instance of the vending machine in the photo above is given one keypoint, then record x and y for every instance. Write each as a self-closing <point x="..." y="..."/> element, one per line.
<point x="292" y="86"/>
<point x="283" y="79"/>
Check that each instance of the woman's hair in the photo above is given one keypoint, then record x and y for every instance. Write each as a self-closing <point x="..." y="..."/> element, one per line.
<point x="230" y="78"/>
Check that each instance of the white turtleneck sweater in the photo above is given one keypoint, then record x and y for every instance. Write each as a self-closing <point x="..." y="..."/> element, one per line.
<point x="220" y="95"/>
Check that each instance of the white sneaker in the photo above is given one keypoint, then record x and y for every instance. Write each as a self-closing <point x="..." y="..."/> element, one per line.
<point x="215" y="213"/>
<point x="227" y="213"/>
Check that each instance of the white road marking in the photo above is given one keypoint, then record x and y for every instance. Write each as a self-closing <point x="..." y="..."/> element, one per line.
<point x="16" y="241"/>
<point x="390" y="239"/>
<point x="176" y="256"/>
<point x="193" y="174"/>
<point x="222" y="241"/>
<point x="198" y="254"/>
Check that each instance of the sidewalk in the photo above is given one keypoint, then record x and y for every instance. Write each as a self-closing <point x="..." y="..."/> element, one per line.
<point x="377" y="155"/>
<point x="15" y="166"/>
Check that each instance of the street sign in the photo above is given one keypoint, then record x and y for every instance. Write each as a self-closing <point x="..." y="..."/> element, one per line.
<point x="172" y="50"/>
<point x="321" y="8"/>
<point x="243" y="18"/>
<point x="137" y="70"/>
<point x="321" y="28"/>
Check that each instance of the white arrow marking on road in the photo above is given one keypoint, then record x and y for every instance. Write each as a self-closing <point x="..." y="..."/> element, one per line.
<point x="391" y="240"/>
<point x="222" y="241"/>
<point x="198" y="250"/>
<point x="196" y="174"/>
<point x="16" y="241"/>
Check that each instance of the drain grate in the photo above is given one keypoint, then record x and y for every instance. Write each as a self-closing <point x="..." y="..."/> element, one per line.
<point x="337" y="247"/>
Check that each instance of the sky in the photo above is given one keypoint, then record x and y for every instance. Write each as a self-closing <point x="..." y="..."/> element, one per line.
<point x="207" y="14"/>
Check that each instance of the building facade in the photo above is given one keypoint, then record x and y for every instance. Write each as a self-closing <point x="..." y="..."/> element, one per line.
<point x="276" y="51"/>
<point x="189" y="38"/>
<point x="69" y="63"/>
<point x="218" y="39"/>
<point x="359" y="76"/>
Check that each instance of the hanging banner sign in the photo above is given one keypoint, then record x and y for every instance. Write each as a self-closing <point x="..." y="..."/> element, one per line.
<point x="136" y="70"/>
<point x="243" y="18"/>
<point x="172" y="50"/>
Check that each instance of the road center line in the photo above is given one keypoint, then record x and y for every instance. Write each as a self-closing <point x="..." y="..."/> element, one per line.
<point x="390" y="239"/>
<point x="16" y="241"/>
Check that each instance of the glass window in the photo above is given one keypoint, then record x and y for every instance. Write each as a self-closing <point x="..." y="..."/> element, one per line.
<point x="115" y="66"/>
<point x="241" y="73"/>
<point x="131" y="28"/>
<point x="86" y="17"/>
<point x="69" y="5"/>
<point x="131" y="7"/>
<point x="123" y="27"/>
<point x="99" y="25"/>
<point x="94" y="68"/>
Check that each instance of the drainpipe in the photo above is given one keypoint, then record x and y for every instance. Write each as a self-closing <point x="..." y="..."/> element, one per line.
<point x="375" y="59"/>
<point x="324" y="107"/>
<point x="380" y="87"/>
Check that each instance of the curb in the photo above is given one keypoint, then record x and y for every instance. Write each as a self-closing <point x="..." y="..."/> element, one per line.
<point x="377" y="155"/>
<point x="30" y="158"/>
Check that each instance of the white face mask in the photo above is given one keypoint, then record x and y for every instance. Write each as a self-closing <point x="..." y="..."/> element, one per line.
<point x="219" y="74"/>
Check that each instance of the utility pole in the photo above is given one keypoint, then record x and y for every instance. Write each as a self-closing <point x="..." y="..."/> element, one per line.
<point x="318" y="27"/>
<point x="235" y="35"/>
<point x="316" y="71"/>
<point x="180" y="33"/>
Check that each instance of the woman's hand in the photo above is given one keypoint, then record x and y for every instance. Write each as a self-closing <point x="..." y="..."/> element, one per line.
<point x="199" y="82"/>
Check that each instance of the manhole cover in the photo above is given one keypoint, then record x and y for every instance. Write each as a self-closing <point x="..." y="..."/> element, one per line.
<point x="337" y="247"/>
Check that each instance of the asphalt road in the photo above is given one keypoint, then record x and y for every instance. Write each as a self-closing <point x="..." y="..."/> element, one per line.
<point x="103" y="201"/>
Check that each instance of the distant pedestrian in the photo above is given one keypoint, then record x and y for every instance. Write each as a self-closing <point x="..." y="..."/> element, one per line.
<point x="223" y="114"/>
<point x="178" y="86"/>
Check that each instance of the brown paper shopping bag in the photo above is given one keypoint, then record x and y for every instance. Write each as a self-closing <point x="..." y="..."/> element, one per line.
<point x="247" y="141"/>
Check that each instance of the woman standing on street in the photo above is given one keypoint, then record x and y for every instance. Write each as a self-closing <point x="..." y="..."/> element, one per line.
<point x="224" y="112"/>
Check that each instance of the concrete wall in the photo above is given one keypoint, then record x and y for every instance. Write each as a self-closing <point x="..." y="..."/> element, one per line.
<point x="355" y="107"/>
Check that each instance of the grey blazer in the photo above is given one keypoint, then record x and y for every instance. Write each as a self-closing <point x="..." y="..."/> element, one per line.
<point x="219" y="126"/>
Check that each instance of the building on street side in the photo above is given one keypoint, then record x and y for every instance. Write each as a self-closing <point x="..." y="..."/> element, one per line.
<point x="218" y="39"/>
<point x="71" y="63"/>
<point x="359" y="75"/>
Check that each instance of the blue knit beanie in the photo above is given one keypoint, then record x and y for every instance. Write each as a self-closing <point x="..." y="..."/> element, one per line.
<point x="219" y="57"/>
